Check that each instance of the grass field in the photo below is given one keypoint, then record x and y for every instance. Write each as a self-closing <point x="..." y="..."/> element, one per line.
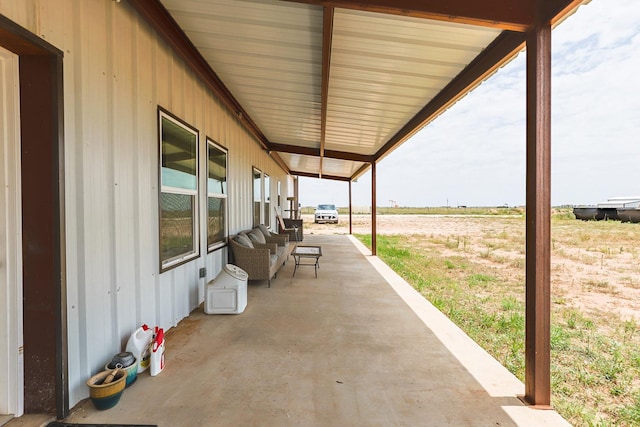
<point x="472" y="269"/>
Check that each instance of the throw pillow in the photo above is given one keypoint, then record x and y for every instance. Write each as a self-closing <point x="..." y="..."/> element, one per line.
<point x="265" y="230"/>
<point x="257" y="236"/>
<point x="244" y="241"/>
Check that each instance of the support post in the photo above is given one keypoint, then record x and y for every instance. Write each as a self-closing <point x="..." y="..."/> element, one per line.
<point x="373" y="209"/>
<point x="538" y="223"/>
<point x="296" y="203"/>
<point x="350" y="209"/>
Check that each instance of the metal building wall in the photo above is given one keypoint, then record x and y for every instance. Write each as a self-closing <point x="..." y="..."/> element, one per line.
<point x="116" y="73"/>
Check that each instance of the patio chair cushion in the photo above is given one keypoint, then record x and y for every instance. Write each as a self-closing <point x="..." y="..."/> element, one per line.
<point x="244" y="241"/>
<point x="273" y="259"/>
<point x="265" y="231"/>
<point x="256" y="236"/>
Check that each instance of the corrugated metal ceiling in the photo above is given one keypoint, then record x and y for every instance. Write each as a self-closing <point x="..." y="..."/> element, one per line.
<point x="385" y="68"/>
<point x="381" y="75"/>
<point x="268" y="54"/>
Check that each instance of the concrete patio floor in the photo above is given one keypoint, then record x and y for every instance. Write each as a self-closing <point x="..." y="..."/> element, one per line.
<point x="356" y="346"/>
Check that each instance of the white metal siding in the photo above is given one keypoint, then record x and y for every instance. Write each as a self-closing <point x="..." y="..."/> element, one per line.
<point x="116" y="73"/>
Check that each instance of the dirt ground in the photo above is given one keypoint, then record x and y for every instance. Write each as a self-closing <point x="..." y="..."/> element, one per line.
<point x="594" y="266"/>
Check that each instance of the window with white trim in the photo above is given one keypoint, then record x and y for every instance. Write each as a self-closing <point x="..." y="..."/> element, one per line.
<point x="178" y="191"/>
<point x="216" y="195"/>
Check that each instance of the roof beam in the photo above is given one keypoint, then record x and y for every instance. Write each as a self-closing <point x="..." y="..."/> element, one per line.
<point x="504" y="14"/>
<point x="557" y="10"/>
<point x="492" y="58"/>
<point x="315" y="175"/>
<point x="315" y="152"/>
<point x="364" y="168"/>
<point x="162" y="22"/>
<point x="294" y="149"/>
<point x="279" y="161"/>
<point x="342" y="155"/>
<point x="327" y="33"/>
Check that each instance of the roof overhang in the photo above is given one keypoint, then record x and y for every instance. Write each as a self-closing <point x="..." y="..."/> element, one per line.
<point x="328" y="87"/>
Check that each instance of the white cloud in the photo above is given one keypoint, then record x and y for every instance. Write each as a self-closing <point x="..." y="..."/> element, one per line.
<point x="595" y="123"/>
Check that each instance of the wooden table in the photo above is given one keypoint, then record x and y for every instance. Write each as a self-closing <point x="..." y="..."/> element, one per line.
<point x="307" y="251"/>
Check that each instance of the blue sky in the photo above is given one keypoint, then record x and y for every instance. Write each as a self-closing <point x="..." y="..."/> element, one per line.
<point x="474" y="154"/>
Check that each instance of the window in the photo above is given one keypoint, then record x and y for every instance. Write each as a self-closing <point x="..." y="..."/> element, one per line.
<point x="279" y="201"/>
<point x="267" y="200"/>
<point x="178" y="191"/>
<point x="216" y="195"/>
<point x="257" y="197"/>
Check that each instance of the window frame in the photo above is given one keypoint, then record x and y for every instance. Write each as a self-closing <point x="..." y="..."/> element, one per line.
<point x="224" y="195"/>
<point x="279" y="199"/>
<point x="255" y="172"/>
<point x="266" y="201"/>
<point x="175" y="261"/>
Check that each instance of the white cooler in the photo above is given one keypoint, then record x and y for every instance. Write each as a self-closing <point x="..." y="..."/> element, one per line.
<point x="227" y="293"/>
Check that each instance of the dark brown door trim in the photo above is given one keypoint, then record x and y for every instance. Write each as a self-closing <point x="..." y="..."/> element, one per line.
<point x="43" y="248"/>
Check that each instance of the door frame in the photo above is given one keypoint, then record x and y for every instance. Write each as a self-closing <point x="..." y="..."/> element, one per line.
<point x="46" y="383"/>
<point x="11" y="348"/>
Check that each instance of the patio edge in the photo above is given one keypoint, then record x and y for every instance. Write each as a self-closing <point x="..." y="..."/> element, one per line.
<point x="488" y="372"/>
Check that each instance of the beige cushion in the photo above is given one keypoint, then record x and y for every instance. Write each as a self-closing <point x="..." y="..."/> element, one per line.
<point x="244" y="241"/>
<point x="265" y="230"/>
<point x="273" y="259"/>
<point x="257" y="236"/>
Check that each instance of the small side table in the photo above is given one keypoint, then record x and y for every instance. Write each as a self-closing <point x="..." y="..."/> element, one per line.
<point x="313" y="252"/>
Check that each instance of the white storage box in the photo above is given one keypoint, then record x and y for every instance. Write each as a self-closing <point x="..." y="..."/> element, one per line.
<point x="227" y="293"/>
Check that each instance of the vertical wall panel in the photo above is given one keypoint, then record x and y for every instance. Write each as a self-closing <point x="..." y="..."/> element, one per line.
<point x="116" y="73"/>
<point x="145" y="147"/>
<point x="97" y="196"/>
<point x="74" y="186"/>
<point x="121" y="47"/>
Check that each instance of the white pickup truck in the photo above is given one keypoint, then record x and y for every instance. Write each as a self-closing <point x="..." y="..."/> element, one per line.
<point x="326" y="213"/>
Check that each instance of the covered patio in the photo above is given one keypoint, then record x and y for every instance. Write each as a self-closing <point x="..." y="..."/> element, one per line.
<point x="272" y="90"/>
<point x="356" y="346"/>
<point x="330" y="88"/>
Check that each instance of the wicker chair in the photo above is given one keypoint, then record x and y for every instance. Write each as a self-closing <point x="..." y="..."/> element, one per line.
<point x="260" y="262"/>
<point x="284" y="249"/>
<point x="282" y="240"/>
